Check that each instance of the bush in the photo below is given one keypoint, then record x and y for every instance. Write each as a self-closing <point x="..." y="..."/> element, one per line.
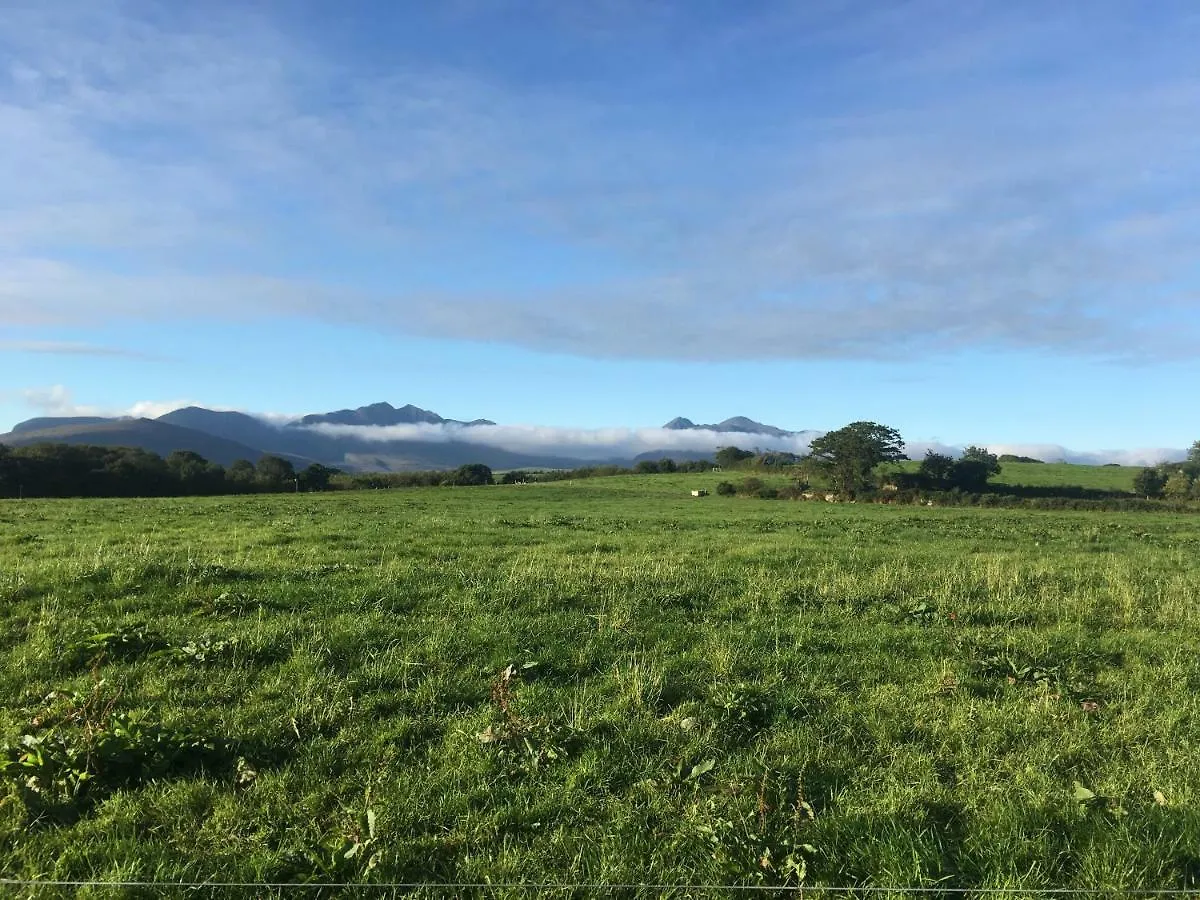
<point x="1149" y="482"/>
<point x="936" y="467"/>
<point x="470" y="475"/>
<point x="729" y="457"/>
<point x="1178" y="486"/>
<point x="726" y="489"/>
<point x="750" y="487"/>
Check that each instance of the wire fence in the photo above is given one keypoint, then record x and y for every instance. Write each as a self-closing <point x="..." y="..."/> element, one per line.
<point x="541" y="888"/>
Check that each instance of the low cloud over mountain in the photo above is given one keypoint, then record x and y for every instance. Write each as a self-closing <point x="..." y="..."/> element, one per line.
<point x="382" y="436"/>
<point x="582" y="443"/>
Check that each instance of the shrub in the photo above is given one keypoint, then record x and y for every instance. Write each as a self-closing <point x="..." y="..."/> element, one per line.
<point x="1149" y="483"/>
<point x="936" y="467"/>
<point x="726" y="489"/>
<point x="470" y="474"/>
<point x="750" y="487"/>
<point x="729" y="457"/>
<point x="1178" y="486"/>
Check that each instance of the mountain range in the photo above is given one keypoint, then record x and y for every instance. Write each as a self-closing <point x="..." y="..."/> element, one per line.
<point x="738" y="424"/>
<point x="332" y="438"/>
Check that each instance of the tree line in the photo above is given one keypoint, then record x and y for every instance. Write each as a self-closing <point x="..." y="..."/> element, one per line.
<point x="476" y="473"/>
<point x="74" y="470"/>
<point x="1171" y="481"/>
<point x="846" y="456"/>
<point x="77" y="470"/>
<point x="848" y="461"/>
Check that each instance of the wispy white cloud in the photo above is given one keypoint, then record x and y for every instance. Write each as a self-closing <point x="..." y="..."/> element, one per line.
<point x="1142" y="456"/>
<point x="70" y="348"/>
<point x="55" y="400"/>
<point x="59" y="401"/>
<point x="952" y="176"/>
<point x="1053" y="453"/>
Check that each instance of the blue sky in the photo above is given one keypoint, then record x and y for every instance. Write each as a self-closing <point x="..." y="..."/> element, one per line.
<point x="974" y="221"/>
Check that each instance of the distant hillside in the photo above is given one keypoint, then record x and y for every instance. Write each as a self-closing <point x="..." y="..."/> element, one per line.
<point x="1104" y="478"/>
<point x="677" y="455"/>
<point x="410" y="456"/>
<point x="267" y="438"/>
<point x="233" y="426"/>
<point x="158" y="437"/>
<point x="44" y="422"/>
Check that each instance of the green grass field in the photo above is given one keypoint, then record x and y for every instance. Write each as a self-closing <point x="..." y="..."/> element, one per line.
<point x="604" y="681"/>
<point x="1101" y="478"/>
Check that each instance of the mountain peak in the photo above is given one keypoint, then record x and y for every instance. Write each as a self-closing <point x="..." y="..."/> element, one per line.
<point x="679" y="422"/>
<point x="739" y="424"/>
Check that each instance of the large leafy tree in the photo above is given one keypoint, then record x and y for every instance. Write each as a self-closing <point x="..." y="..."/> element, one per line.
<point x="729" y="457"/>
<point x="316" y="477"/>
<point x="470" y="474"/>
<point x="1149" y="482"/>
<point x="274" y="472"/>
<point x="189" y="468"/>
<point x="849" y="454"/>
<point x="1178" y="485"/>
<point x="1192" y="464"/>
<point x="973" y="469"/>
<point x="937" y="467"/>
<point x="8" y="469"/>
<point x="241" y="474"/>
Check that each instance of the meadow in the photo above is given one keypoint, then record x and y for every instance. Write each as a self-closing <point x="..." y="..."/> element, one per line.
<point x="1100" y="478"/>
<point x="602" y="682"/>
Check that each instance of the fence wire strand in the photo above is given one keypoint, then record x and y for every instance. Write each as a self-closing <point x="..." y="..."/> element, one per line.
<point x="536" y="887"/>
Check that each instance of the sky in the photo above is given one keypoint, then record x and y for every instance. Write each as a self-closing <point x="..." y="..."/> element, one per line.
<point x="976" y="222"/>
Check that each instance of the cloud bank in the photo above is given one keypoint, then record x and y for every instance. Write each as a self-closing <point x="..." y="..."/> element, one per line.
<point x="879" y="181"/>
<point x="584" y="443"/>
<point x="625" y="443"/>
<point x="590" y="444"/>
